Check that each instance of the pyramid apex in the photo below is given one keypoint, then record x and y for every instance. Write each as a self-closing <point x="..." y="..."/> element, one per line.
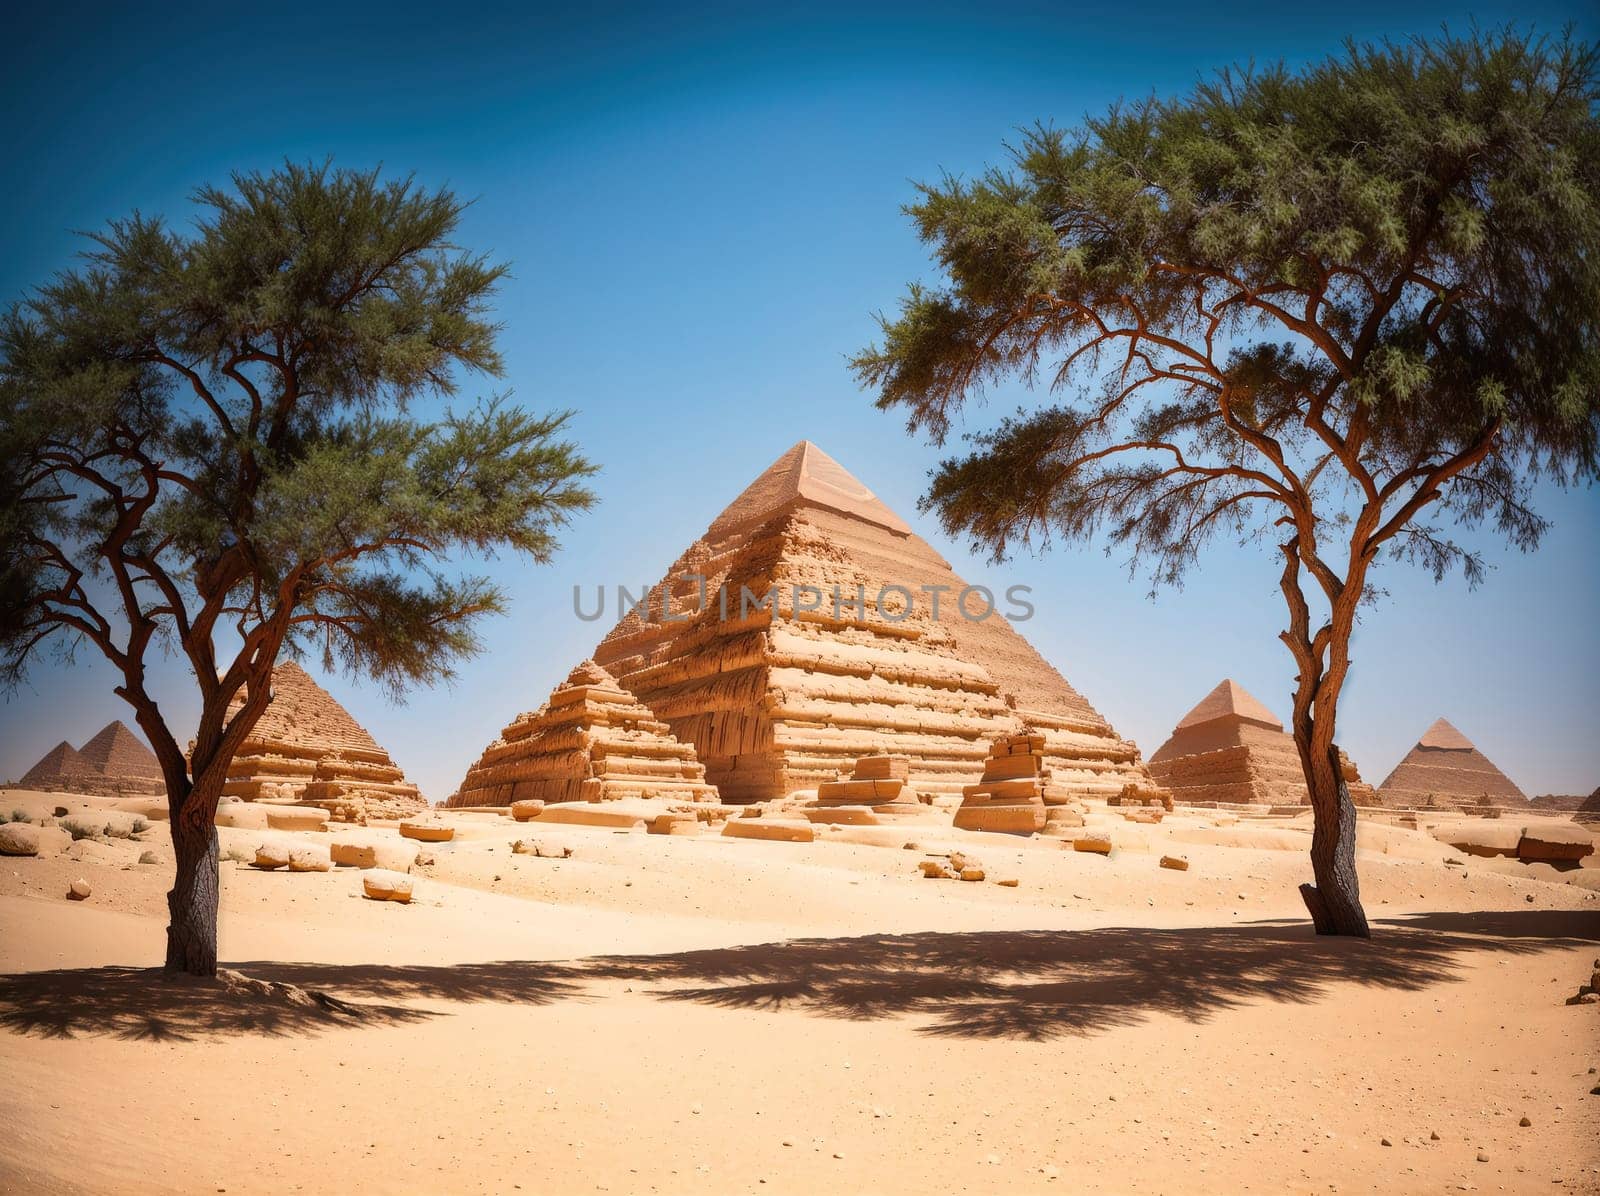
<point x="1444" y="737"/>
<point x="804" y="475"/>
<point x="1229" y="699"/>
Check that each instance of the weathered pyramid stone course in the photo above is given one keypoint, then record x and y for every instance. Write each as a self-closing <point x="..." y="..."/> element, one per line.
<point x="1231" y="750"/>
<point x="307" y="747"/>
<point x="1446" y="769"/>
<point x="592" y="741"/>
<point x="114" y="761"/>
<point x="786" y="696"/>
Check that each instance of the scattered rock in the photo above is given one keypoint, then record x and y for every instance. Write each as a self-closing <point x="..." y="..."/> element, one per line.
<point x="427" y="832"/>
<point x="78" y="890"/>
<point x="309" y="858"/>
<point x="1009" y="882"/>
<point x="1099" y="844"/>
<point x="1384" y="1142"/>
<point x="524" y="810"/>
<point x="382" y="885"/>
<point x="148" y="857"/>
<point x="541" y="848"/>
<point x="19" y="838"/>
<point x="1483" y="1156"/>
<point x="1178" y="863"/>
<point x="936" y="870"/>
<point x="271" y="855"/>
<point x="972" y="874"/>
<point x="1524" y="1123"/>
<point x="1433" y="1135"/>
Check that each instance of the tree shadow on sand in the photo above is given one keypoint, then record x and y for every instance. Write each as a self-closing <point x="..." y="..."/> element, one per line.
<point x="1032" y="985"/>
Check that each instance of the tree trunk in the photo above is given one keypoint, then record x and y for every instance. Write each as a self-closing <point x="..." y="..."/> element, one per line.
<point x="192" y="903"/>
<point x="1335" y="900"/>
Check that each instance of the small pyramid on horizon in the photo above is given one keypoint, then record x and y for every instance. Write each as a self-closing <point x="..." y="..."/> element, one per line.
<point x="592" y="741"/>
<point x="783" y="697"/>
<point x="1590" y="810"/>
<point x="1230" y="749"/>
<point x="61" y="768"/>
<point x="307" y="747"/>
<point x="1445" y="768"/>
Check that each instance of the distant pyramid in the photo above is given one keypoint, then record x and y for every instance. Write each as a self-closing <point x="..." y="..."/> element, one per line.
<point x="1231" y="749"/>
<point x="1590" y="810"/>
<point x="1445" y="769"/>
<point x="117" y="752"/>
<point x="592" y="741"/>
<point x="307" y="747"/>
<point x="61" y="768"/>
<point x="776" y="700"/>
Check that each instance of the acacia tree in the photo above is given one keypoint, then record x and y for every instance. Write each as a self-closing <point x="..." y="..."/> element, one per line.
<point x="207" y="447"/>
<point x="1342" y="310"/>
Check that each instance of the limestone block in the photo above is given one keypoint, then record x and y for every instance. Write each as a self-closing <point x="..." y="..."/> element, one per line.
<point x="1099" y="844"/>
<point x="972" y="874"/>
<point x="842" y="815"/>
<point x="1177" y="863"/>
<point x="769" y="828"/>
<point x="78" y="890"/>
<point x="522" y="811"/>
<point x="380" y="884"/>
<point x="1481" y="838"/>
<point x="1016" y="820"/>
<point x="272" y="855"/>
<point x="1555" y="841"/>
<point x="353" y="855"/>
<point x="296" y="818"/>
<point x="592" y="815"/>
<point x="427" y="832"/>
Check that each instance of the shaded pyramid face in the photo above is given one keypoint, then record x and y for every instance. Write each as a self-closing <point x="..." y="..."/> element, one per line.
<point x="1231" y="750"/>
<point x="307" y="747"/>
<point x="118" y="752"/>
<point x="781" y="695"/>
<point x="1445" y="768"/>
<point x="591" y="741"/>
<point x="60" y="768"/>
<point x="1590" y="810"/>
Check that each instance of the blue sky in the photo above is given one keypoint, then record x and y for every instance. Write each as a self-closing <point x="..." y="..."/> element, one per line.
<point x="702" y="213"/>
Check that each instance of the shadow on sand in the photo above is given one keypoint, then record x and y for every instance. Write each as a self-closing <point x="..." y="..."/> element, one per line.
<point x="1000" y="984"/>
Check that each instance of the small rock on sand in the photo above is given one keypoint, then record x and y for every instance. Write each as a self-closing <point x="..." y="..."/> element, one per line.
<point x="78" y="890"/>
<point x="1009" y="882"/>
<point x="382" y="885"/>
<point x="1177" y="863"/>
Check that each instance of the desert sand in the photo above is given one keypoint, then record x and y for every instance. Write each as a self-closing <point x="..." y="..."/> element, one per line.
<point x="694" y="1012"/>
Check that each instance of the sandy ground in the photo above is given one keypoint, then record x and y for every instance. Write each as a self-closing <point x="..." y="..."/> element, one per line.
<point x="703" y="1014"/>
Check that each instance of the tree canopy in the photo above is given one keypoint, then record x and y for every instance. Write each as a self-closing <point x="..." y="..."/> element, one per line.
<point x="211" y="443"/>
<point x="1345" y="307"/>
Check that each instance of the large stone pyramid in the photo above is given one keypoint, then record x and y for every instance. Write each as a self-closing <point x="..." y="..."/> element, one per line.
<point x="117" y="752"/>
<point x="115" y="761"/>
<point x="1231" y="749"/>
<point x="1446" y="769"/>
<point x="777" y="699"/>
<point x="592" y="741"/>
<point x="61" y="768"/>
<point x="307" y="747"/>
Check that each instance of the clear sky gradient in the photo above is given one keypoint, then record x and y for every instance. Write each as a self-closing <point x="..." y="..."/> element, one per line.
<point x="703" y="213"/>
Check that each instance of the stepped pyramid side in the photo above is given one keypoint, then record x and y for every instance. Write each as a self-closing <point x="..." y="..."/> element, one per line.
<point x="592" y="741"/>
<point x="777" y="700"/>
<point x="1231" y="750"/>
<point x="307" y="747"/>
<point x="116" y="752"/>
<point x="61" y="768"/>
<point x="1445" y="768"/>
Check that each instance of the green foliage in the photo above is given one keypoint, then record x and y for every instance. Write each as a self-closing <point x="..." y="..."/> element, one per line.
<point x="212" y="431"/>
<point x="1369" y="288"/>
